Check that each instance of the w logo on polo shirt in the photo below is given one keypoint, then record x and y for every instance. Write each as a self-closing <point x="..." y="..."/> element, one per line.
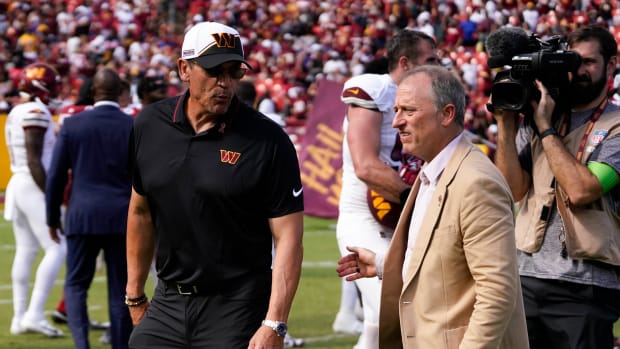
<point x="224" y="40"/>
<point x="229" y="157"/>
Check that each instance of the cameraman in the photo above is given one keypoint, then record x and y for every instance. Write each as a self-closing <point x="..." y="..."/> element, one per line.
<point x="571" y="292"/>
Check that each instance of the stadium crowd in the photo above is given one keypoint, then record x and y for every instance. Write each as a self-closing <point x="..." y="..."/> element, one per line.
<point x="290" y="44"/>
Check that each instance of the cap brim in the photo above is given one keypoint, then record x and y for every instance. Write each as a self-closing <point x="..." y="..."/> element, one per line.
<point x="210" y="61"/>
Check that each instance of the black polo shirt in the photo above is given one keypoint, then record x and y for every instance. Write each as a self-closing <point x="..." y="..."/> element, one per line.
<point x="211" y="194"/>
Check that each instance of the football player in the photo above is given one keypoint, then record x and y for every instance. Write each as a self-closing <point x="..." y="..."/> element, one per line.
<point x="29" y="134"/>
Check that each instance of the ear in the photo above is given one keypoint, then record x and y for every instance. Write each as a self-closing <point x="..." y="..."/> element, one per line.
<point x="403" y="63"/>
<point x="611" y="66"/>
<point x="184" y="68"/>
<point x="447" y="115"/>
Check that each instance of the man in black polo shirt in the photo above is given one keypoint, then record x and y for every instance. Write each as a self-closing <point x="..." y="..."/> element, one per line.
<point x="214" y="182"/>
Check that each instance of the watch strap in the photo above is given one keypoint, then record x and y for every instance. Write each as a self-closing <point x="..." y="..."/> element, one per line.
<point x="275" y="325"/>
<point x="548" y="132"/>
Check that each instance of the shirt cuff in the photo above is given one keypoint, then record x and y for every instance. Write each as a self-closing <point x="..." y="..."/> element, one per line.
<point x="379" y="257"/>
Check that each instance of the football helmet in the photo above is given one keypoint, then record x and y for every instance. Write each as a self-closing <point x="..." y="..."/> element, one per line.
<point x="40" y="80"/>
<point x="386" y="212"/>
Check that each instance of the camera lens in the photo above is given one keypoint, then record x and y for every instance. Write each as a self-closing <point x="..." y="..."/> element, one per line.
<point x="509" y="95"/>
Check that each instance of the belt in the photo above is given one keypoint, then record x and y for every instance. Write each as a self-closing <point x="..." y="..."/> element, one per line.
<point x="183" y="289"/>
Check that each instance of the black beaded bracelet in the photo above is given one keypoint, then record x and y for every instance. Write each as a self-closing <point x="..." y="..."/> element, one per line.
<point x="548" y="132"/>
<point x="404" y="195"/>
<point x="134" y="302"/>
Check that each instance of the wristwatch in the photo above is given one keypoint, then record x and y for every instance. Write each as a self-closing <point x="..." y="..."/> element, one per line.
<point x="278" y="326"/>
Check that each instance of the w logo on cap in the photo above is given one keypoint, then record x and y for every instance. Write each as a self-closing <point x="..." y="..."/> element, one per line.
<point x="230" y="157"/>
<point x="224" y="40"/>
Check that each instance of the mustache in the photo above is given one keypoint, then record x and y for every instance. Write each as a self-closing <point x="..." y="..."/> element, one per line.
<point x="582" y="78"/>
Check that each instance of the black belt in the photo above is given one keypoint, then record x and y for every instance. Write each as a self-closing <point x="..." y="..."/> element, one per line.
<point x="183" y="289"/>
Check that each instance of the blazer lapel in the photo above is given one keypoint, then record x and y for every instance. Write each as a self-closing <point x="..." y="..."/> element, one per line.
<point x="396" y="251"/>
<point x="389" y="324"/>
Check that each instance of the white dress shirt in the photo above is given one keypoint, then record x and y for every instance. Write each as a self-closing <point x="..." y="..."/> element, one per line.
<point x="429" y="176"/>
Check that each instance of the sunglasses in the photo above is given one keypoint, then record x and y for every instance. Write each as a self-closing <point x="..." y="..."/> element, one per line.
<point x="219" y="71"/>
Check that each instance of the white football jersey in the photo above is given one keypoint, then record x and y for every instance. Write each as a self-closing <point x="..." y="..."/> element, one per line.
<point x="29" y="114"/>
<point x="371" y="91"/>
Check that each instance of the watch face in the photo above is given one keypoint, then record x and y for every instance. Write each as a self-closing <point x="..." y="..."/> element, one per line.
<point x="281" y="329"/>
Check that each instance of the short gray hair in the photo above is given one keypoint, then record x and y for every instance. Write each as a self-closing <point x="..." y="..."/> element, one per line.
<point x="447" y="89"/>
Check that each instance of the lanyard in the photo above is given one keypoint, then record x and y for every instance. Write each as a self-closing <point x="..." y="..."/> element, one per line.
<point x="596" y="114"/>
<point x="565" y="125"/>
<point x="593" y="119"/>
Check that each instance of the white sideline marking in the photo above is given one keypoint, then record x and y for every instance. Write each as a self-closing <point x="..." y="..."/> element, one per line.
<point x="320" y="233"/>
<point x="320" y="264"/>
<point x="326" y="338"/>
<point x="90" y="307"/>
<point x="59" y="282"/>
<point x="56" y="283"/>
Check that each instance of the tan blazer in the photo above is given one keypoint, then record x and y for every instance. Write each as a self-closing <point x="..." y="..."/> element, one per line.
<point x="462" y="289"/>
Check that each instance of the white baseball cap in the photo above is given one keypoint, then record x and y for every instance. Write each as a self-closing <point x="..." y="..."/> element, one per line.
<point x="211" y="44"/>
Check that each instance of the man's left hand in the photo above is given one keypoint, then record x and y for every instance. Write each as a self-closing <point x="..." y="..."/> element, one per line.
<point x="266" y="338"/>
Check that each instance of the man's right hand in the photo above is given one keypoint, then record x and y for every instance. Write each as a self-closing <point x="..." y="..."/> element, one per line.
<point x="359" y="264"/>
<point x="137" y="312"/>
<point x="53" y="231"/>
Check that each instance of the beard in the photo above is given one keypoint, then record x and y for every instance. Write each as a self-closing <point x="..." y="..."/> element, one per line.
<point x="582" y="90"/>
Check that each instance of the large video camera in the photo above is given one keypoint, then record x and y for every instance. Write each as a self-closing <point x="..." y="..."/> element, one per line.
<point x="548" y="61"/>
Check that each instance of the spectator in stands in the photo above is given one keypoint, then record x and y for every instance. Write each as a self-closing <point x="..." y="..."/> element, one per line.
<point x="246" y="92"/>
<point x="152" y="89"/>
<point x="125" y="100"/>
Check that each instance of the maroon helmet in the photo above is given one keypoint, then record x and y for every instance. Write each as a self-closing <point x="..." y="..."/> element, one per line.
<point x="386" y="212"/>
<point x="40" y="80"/>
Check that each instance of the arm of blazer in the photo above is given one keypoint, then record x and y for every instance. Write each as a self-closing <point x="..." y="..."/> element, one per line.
<point x="487" y="229"/>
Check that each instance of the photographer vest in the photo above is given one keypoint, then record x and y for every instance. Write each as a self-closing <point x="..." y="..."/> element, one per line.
<point x="589" y="232"/>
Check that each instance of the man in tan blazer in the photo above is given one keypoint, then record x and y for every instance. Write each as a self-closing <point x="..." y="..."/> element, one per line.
<point x="450" y="275"/>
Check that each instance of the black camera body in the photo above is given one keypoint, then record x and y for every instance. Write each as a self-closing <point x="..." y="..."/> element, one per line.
<point x="547" y="61"/>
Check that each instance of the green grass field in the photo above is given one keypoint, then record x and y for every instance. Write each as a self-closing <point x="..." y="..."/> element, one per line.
<point x="314" y="309"/>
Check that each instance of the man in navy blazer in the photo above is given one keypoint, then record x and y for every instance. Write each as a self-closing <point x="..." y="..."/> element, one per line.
<point x="93" y="145"/>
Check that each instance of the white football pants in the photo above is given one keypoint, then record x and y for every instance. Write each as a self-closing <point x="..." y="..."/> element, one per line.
<point x="25" y="207"/>
<point x="362" y="230"/>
